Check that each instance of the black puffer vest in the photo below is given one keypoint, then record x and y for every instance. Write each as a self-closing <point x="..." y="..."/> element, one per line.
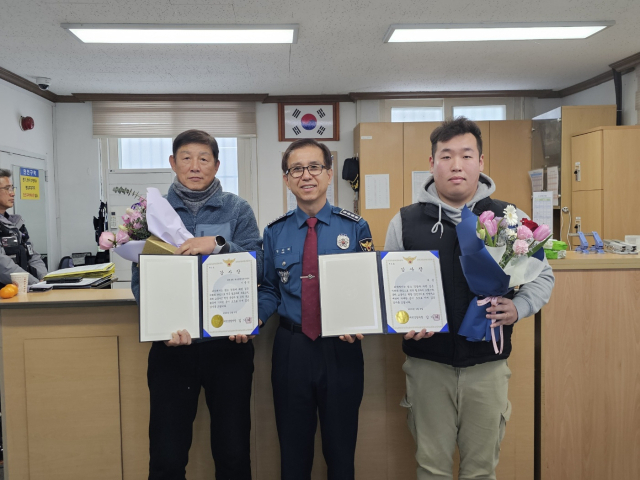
<point x="16" y="245"/>
<point x="449" y="348"/>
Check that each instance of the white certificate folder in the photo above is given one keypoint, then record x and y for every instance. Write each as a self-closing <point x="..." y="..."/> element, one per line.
<point x="381" y="292"/>
<point x="207" y="295"/>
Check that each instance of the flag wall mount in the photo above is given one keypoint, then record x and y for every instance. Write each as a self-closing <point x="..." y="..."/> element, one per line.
<point x="320" y="121"/>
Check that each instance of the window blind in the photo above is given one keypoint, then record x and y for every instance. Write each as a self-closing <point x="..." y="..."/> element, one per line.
<point x="168" y="119"/>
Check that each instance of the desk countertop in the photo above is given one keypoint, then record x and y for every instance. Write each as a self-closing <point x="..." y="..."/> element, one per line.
<point x="70" y="298"/>
<point x="595" y="261"/>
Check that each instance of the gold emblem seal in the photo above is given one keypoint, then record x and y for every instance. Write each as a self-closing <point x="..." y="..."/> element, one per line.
<point x="217" y="321"/>
<point x="402" y="317"/>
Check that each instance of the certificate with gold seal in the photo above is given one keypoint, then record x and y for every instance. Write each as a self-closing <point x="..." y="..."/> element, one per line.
<point x="230" y="303"/>
<point x="209" y="296"/>
<point x="414" y="298"/>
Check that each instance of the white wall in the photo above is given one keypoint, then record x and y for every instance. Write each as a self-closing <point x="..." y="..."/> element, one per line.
<point x="603" y="94"/>
<point x="78" y="159"/>
<point x="270" y="183"/>
<point x="39" y="142"/>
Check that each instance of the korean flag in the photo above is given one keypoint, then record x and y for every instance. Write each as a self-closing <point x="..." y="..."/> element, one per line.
<point x="308" y="121"/>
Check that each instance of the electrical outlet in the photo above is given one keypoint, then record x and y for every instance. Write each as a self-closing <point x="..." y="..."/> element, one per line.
<point x="578" y="224"/>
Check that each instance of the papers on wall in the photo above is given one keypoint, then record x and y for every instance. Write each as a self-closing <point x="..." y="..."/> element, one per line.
<point x="417" y="179"/>
<point x="377" y="191"/>
<point x="552" y="183"/>
<point x="543" y="208"/>
<point x="537" y="180"/>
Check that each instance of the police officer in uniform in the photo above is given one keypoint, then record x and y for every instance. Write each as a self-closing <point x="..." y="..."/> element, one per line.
<point x="311" y="375"/>
<point x="16" y="252"/>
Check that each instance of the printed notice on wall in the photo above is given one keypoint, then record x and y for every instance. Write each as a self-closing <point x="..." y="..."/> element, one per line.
<point x="377" y="191"/>
<point x="543" y="208"/>
<point x="552" y="183"/>
<point x="417" y="179"/>
<point x="537" y="180"/>
<point x="29" y="184"/>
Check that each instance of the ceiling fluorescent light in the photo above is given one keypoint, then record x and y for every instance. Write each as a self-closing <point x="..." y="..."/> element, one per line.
<point x="493" y="31"/>
<point x="149" y="33"/>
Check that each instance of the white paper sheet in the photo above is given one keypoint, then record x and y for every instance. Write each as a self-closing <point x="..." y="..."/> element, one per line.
<point x="377" y="191"/>
<point x="537" y="180"/>
<point x="169" y="296"/>
<point x="543" y="208"/>
<point x="552" y="183"/>
<point x="230" y="288"/>
<point x="417" y="179"/>
<point x="350" y="294"/>
<point x="414" y="296"/>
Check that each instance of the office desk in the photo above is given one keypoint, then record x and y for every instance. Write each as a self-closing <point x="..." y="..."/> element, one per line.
<point x="590" y="370"/>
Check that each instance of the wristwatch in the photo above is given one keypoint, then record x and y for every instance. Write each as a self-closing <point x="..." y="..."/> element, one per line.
<point x="221" y="245"/>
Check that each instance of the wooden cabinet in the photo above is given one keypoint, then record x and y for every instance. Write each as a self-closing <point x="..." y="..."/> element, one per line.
<point x="609" y="170"/>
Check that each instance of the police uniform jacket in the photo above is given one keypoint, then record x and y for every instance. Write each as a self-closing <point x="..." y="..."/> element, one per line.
<point x="338" y="231"/>
<point x="16" y="251"/>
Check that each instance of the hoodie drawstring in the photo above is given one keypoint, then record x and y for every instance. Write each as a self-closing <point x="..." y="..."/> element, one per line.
<point x="439" y="224"/>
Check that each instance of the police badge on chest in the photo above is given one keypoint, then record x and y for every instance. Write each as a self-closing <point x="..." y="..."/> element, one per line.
<point x="284" y="275"/>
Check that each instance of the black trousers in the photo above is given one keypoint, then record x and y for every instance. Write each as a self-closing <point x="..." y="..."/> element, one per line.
<point x="322" y="378"/>
<point x="175" y="375"/>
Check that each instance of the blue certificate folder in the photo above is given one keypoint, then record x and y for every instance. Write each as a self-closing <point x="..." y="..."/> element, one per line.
<point x="207" y="295"/>
<point x="381" y="292"/>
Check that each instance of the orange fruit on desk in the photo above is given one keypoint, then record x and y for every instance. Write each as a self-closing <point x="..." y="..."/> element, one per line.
<point x="8" y="291"/>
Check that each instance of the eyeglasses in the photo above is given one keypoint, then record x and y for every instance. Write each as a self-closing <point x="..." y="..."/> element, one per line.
<point x="9" y="189"/>
<point x="297" y="172"/>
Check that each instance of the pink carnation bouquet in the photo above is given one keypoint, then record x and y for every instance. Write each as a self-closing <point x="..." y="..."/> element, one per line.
<point x="512" y="243"/>
<point x="149" y="216"/>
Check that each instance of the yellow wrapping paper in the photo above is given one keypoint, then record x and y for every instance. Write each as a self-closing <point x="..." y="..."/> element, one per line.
<point x="155" y="246"/>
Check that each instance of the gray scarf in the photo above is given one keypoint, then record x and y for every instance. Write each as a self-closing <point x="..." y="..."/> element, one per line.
<point x="193" y="199"/>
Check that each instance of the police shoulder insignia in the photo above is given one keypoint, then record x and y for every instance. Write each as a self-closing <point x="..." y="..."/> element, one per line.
<point x="350" y="215"/>
<point x="279" y="218"/>
<point x="366" y="244"/>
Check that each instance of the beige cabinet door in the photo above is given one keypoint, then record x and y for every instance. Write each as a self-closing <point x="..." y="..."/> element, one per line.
<point x="511" y="161"/>
<point x="587" y="155"/>
<point x="587" y="206"/>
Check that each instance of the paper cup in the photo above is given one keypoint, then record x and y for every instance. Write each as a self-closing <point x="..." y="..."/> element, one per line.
<point x="21" y="280"/>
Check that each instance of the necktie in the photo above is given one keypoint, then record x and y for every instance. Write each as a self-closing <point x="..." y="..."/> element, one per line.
<point x="310" y="284"/>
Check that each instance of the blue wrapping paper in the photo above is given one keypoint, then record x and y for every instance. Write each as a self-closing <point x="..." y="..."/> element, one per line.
<point x="484" y="276"/>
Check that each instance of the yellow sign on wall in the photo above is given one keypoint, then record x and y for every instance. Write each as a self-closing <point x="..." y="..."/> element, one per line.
<point x="29" y="184"/>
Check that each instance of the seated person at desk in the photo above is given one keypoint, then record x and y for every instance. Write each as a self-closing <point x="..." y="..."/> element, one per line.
<point x="16" y="252"/>
<point x="178" y="368"/>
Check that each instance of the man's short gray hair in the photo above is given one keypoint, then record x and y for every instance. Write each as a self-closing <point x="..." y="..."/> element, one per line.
<point x="5" y="173"/>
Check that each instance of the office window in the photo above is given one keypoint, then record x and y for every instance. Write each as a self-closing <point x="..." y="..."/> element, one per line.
<point x="153" y="154"/>
<point x="416" y="114"/>
<point x="144" y="153"/>
<point x="481" y="112"/>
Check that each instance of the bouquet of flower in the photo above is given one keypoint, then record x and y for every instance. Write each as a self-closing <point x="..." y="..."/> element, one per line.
<point x="151" y="216"/>
<point x="497" y="255"/>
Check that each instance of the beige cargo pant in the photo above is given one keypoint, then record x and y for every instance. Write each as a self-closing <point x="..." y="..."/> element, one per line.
<point x="448" y="405"/>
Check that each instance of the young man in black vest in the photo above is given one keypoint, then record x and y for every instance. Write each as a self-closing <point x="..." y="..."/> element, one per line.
<point x="457" y="389"/>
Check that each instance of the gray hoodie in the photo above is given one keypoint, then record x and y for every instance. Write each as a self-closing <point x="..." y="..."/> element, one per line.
<point x="531" y="297"/>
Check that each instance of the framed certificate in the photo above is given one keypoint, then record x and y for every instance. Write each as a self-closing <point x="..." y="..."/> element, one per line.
<point x="209" y="296"/>
<point x="230" y="305"/>
<point x="414" y="298"/>
<point x="350" y="294"/>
